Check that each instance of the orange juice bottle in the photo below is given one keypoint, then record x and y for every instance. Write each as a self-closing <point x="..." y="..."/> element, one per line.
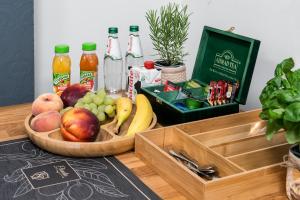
<point x="61" y="66"/>
<point x="89" y="66"/>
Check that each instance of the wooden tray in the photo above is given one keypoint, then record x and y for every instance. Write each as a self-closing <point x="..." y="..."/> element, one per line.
<point x="248" y="164"/>
<point x="106" y="143"/>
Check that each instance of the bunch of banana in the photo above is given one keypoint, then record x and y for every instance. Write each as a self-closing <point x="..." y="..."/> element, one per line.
<point x="124" y="108"/>
<point x="143" y="116"/>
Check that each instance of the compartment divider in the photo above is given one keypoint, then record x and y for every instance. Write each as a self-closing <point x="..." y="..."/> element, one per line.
<point x="244" y="145"/>
<point x="214" y="154"/>
<point x="225" y="135"/>
<point x="256" y="151"/>
<point x="221" y="122"/>
<point x="262" y="157"/>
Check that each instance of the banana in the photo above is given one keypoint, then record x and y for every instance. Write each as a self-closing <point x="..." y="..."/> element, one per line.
<point x="124" y="108"/>
<point x="143" y="116"/>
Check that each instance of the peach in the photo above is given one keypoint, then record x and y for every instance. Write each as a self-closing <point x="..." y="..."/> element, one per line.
<point x="46" y="121"/>
<point x="72" y="93"/>
<point x="79" y="125"/>
<point x="46" y="102"/>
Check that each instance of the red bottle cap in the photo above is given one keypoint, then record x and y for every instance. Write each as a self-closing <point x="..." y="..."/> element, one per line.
<point x="149" y="64"/>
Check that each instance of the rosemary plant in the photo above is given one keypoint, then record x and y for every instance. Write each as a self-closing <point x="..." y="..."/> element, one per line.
<point x="168" y="32"/>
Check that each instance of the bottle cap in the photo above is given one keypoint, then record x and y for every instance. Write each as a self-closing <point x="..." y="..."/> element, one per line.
<point x="134" y="28"/>
<point x="112" y="30"/>
<point x="62" y="48"/>
<point x="149" y="64"/>
<point x="89" y="46"/>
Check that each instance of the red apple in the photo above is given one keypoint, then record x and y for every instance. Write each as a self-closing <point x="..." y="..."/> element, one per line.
<point x="72" y="93"/>
<point x="79" y="125"/>
<point x="46" y="102"/>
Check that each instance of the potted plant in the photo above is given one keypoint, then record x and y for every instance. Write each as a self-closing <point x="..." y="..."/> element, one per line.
<point x="280" y="101"/>
<point x="168" y="32"/>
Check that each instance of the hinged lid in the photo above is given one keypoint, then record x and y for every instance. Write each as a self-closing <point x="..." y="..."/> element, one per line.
<point x="223" y="55"/>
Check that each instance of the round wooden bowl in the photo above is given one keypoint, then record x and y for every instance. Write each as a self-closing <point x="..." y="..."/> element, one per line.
<point x="106" y="143"/>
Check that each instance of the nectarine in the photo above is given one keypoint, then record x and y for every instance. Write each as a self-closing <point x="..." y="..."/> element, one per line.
<point x="79" y="125"/>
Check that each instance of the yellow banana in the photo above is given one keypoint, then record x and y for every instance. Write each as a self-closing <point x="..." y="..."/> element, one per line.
<point x="124" y="108"/>
<point x="143" y="116"/>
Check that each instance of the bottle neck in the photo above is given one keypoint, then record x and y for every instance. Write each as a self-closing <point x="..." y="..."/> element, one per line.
<point x="89" y="52"/>
<point x="136" y="33"/>
<point x="61" y="54"/>
<point x="114" y="35"/>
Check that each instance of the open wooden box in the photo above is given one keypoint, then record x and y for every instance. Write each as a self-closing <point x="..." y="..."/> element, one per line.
<point x="222" y="55"/>
<point x="248" y="164"/>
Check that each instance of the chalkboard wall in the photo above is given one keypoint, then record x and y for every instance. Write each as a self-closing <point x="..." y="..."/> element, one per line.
<point x="16" y="52"/>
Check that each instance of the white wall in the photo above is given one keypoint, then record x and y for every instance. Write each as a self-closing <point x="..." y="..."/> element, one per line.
<point x="274" y="22"/>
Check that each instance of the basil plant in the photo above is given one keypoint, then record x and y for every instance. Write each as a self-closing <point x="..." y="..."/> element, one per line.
<point x="280" y="101"/>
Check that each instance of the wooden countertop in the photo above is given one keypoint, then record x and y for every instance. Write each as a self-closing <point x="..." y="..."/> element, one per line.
<point x="12" y="127"/>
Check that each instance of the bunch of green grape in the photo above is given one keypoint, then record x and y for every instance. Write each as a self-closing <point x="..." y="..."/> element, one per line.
<point x="98" y="103"/>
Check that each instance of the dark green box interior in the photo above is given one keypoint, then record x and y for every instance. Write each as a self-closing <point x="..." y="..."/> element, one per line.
<point x="221" y="55"/>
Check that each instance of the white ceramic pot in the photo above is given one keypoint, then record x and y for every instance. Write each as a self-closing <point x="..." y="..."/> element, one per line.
<point x="292" y="182"/>
<point x="175" y="74"/>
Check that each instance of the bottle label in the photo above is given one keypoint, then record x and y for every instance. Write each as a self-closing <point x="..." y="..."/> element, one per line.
<point x="113" y="49"/>
<point x="88" y="79"/>
<point x="60" y="82"/>
<point x="134" y="47"/>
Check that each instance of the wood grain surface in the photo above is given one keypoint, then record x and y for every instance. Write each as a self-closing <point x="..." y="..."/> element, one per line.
<point x="12" y="127"/>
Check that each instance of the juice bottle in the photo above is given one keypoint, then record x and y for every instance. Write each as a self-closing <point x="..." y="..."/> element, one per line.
<point x="61" y="67"/>
<point x="89" y="66"/>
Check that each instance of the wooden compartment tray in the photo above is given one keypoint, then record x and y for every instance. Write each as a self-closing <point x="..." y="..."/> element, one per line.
<point x="249" y="165"/>
<point x="106" y="143"/>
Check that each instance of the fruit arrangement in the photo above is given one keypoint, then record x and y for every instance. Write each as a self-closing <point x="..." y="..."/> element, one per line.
<point x="78" y="113"/>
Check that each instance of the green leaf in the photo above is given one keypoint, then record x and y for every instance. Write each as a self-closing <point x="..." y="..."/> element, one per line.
<point x="292" y="112"/>
<point x="286" y="96"/>
<point x="273" y="126"/>
<point x="292" y="135"/>
<point x="276" y="113"/>
<point x="278" y="71"/>
<point x="276" y="82"/>
<point x="266" y="93"/>
<point x="286" y="84"/>
<point x="292" y="132"/>
<point x="284" y="67"/>
<point x="287" y="65"/>
<point x="294" y="79"/>
<point x="264" y="115"/>
<point x="272" y="104"/>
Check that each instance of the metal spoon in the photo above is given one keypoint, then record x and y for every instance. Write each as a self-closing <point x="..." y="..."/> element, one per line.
<point x="200" y="173"/>
<point x="173" y="153"/>
<point x="207" y="170"/>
